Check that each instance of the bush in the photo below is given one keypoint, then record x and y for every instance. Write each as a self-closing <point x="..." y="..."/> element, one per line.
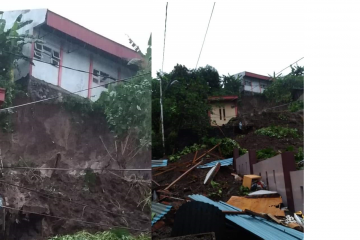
<point x="278" y="132"/>
<point x="266" y="153"/>
<point x="296" y="106"/>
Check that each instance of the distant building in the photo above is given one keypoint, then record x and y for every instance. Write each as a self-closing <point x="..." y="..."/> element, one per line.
<point x="222" y="109"/>
<point x="253" y="83"/>
<point x="66" y="43"/>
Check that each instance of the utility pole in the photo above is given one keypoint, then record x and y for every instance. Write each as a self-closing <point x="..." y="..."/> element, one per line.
<point x="161" y="102"/>
<point x="162" y="118"/>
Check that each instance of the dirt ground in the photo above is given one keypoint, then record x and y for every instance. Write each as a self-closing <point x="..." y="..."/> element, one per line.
<point x="41" y="132"/>
<point x="106" y="193"/>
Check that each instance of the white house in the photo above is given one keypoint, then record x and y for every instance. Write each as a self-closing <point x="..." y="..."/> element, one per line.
<point x="67" y="44"/>
<point x="253" y="83"/>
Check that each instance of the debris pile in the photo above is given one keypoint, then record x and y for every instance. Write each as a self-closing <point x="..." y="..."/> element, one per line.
<point x="249" y="208"/>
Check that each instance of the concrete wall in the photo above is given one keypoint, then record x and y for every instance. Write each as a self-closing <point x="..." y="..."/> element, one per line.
<point x="230" y="112"/>
<point x="272" y="173"/>
<point x="243" y="164"/>
<point x="297" y="183"/>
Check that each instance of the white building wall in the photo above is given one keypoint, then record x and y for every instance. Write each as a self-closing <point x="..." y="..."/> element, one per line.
<point x="71" y="80"/>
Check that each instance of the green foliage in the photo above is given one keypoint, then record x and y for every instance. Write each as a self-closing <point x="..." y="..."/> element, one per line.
<point x="296" y="106"/>
<point x="153" y="215"/>
<point x="227" y="145"/>
<point x="232" y="85"/>
<point x="107" y="235"/>
<point x="185" y="151"/>
<point x="280" y="91"/>
<point x="185" y="106"/>
<point x="244" y="190"/>
<point x="299" y="156"/>
<point x="265" y="153"/>
<point x="278" y="132"/>
<point x="282" y="117"/>
<point x="11" y="45"/>
<point x="216" y="189"/>
<point x="82" y="106"/>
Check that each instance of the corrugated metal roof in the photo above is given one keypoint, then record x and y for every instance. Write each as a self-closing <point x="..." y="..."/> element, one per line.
<point x="159" y="163"/>
<point x="225" y="162"/>
<point x="160" y="210"/>
<point x="259" y="226"/>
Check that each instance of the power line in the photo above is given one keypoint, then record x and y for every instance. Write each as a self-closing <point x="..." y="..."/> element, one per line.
<point x="289" y="66"/>
<point x="74" y="219"/>
<point x="162" y="67"/>
<point x="47" y="99"/>
<point x="74" y="69"/>
<point x="67" y="200"/>
<point x="205" y="35"/>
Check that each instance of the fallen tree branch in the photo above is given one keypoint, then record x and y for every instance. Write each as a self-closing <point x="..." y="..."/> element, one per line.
<point x="179" y="178"/>
<point x="107" y="149"/>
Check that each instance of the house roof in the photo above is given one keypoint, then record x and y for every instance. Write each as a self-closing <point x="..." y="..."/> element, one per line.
<point x="254" y="75"/>
<point x="87" y="36"/>
<point x="217" y="98"/>
<point x="258" y="226"/>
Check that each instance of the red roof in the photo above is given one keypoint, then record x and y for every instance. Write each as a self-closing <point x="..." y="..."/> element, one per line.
<point x="214" y="98"/>
<point x="254" y="75"/>
<point x="79" y="32"/>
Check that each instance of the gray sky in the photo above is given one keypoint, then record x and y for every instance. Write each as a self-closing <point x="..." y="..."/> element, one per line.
<point x="256" y="36"/>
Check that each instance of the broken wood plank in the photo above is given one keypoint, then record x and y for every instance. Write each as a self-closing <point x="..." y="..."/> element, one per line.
<point x="193" y="161"/>
<point x="207" y="152"/>
<point x="179" y="178"/>
<point x="155" y="183"/>
<point x="275" y="219"/>
<point x="164" y="172"/>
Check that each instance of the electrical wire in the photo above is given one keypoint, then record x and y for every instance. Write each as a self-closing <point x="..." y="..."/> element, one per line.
<point x="52" y="98"/>
<point x="162" y="67"/>
<point x="74" y="69"/>
<point x="205" y="36"/>
<point x="67" y="200"/>
<point x="74" y="219"/>
<point x="289" y="66"/>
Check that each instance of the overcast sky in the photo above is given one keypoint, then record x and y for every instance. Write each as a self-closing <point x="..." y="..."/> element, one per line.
<point x="255" y="36"/>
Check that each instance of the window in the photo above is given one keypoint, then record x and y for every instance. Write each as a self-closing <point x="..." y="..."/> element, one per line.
<point x="101" y="78"/>
<point x="46" y="54"/>
<point x="263" y="86"/>
<point x="247" y="83"/>
<point x="220" y="113"/>
<point x="224" y="114"/>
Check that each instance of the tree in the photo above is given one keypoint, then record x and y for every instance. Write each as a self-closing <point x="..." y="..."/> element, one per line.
<point x="280" y="91"/>
<point x="128" y="112"/>
<point x="232" y="85"/>
<point x="11" y="46"/>
<point x="185" y="94"/>
<point x="211" y="76"/>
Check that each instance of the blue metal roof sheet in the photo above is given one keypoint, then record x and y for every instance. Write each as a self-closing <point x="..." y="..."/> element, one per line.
<point x="225" y="162"/>
<point x="159" y="163"/>
<point x="160" y="210"/>
<point x="257" y="225"/>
